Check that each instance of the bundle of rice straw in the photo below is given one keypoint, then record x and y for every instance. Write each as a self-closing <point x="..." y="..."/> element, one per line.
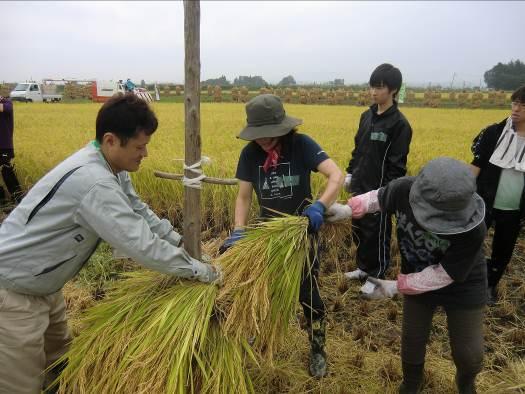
<point x="263" y="274"/>
<point x="157" y="334"/>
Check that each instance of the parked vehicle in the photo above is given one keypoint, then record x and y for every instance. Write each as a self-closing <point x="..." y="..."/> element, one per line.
<point x="32" y="92"/>
<point x="103" y="90"/>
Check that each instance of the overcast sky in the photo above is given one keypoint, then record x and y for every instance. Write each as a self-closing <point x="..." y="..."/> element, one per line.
<point x="313" y="41"/>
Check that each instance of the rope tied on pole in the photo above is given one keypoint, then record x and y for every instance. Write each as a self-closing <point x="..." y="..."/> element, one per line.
<point x="196" y="182"/>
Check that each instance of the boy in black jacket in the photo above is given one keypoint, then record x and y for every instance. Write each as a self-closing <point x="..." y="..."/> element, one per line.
<point x="380" y="155"/>
<point x="499" y="164"/>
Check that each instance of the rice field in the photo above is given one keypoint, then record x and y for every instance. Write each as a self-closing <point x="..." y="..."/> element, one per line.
<point x="46" y="134"/>
<point x="363" y="337"/>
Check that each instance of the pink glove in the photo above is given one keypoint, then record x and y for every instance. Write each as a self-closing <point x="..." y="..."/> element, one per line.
<point x="431" y="278"/>
<point x="363" y="204"/>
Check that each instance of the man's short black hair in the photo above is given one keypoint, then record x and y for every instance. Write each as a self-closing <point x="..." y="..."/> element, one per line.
<point x="125" y="115"/>
<point x="519" y="95"/>
<point x="386" y="75"/>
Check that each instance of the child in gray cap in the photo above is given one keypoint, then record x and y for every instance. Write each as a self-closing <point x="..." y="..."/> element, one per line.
<point x="440" y="232"/>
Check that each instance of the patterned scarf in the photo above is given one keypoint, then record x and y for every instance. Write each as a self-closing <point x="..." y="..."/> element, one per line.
<point x="506" y="154"/>
<point x="272" y="158"/>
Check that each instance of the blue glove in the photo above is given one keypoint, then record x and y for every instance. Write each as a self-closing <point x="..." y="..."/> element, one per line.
<point x="315" y="214"/>
<point x="234" y="237"/>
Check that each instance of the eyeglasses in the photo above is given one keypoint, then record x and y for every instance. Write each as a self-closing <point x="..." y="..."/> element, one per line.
<point x="518" y="104"/>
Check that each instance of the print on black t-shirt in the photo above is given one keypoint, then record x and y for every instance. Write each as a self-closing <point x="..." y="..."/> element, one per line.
<point x="278" y="182"/>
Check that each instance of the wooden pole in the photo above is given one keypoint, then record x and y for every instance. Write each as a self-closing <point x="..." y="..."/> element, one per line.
<point x="192" y="141"/>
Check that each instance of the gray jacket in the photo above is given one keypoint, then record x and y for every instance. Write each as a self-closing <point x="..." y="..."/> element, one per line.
<point x="51" y="234"/>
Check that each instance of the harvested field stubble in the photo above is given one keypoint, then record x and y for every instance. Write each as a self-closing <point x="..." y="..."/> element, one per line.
<point x="363" y="341"/>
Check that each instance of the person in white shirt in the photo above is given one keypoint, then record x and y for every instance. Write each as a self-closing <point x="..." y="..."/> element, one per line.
<point x="499" y="164"/>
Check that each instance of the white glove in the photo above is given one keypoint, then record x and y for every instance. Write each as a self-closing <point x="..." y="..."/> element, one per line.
<point x="348" y="180"/>
<point x="213" y="274"/>
<point x="337" y="212"/>
<point x="383" y="289"/>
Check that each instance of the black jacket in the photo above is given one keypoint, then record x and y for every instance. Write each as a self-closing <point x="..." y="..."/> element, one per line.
<point x="381" y="149"/>
<point x="488" y="179"/>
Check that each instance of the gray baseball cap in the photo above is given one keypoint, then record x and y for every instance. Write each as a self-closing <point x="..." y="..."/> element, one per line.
<point x="266" y="117"/>
<point x="443" y="197"/>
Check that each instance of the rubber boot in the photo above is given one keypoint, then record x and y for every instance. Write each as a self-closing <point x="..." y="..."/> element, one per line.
<point x="492" y="298"/>
<point x="412" y="378"/>
<point x="317" y="335"/>
<point x="466" y="383"/>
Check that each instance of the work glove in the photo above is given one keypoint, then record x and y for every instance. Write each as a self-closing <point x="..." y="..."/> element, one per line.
<point x="348" y="180"/>
<point x="315" y="213"/>
<point x="382" y="289"/>
<point x="236" y="235"/>
<point x="363" y="204"/>
<point x="337" y="212"/>
<point x="213" y="274"/>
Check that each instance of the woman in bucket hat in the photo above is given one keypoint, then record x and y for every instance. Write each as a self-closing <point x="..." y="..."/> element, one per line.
<point x="276" y="164"/>
<point x="440" y="232"/>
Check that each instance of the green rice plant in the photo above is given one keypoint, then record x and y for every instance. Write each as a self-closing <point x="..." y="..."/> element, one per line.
<point x="146" y="336"/>
<point x="263" y="272"/>
<point x="226" y="359"/>
<point x="155" y="333"/>
<point x="67" y="127"/>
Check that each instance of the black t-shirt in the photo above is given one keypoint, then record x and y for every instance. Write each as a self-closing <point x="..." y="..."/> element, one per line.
<point x="284" y="188"/>
<point x="461" y="255"/>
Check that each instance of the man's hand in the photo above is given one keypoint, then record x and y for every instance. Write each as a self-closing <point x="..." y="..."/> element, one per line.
<point x="236" y="235"/>
<point x="315" y="216"/>
<point x="383" y="289"/>
<point x="213" y="275"/>
<point x="348" y="181"/>
<point x="337" y="212"/>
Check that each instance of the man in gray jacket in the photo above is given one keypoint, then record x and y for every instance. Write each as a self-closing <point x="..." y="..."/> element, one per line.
<point x="55" y="229"/>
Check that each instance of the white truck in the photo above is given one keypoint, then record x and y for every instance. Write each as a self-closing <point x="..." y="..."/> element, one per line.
<point x="32" y="92"/>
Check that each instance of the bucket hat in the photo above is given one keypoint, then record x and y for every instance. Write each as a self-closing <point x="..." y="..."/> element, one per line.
<point x="443" y="197"/>
<point x="266" y="117"/>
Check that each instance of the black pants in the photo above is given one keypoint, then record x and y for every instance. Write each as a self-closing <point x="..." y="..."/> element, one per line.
<point x="465" y="331"/>
<point x="506" y="231"/>
<point x="372" y="235"/>
<point x="309" y="296"/>
<point x="10" y="180"/>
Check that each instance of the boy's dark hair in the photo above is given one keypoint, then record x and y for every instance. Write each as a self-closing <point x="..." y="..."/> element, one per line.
<point x="386" y="75"/>
<point x="125" y="115"/>
<point x="519" y="95"/>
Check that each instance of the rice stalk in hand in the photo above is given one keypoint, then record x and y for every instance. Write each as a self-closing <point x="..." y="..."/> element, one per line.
<point x="155" y="333"/>
<point x="262" y="275"/>
<point x="226" y="359"/>
<point x="147" y="336"/>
